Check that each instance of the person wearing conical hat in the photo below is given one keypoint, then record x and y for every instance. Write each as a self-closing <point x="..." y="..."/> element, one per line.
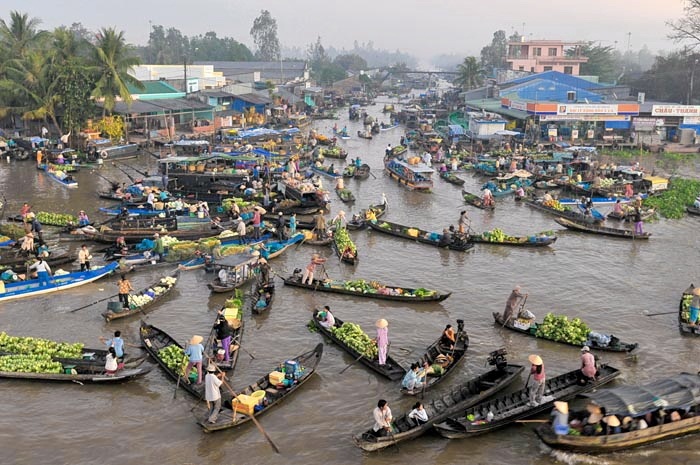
<point x="613" y="424"/>
<point x="195" y="353"/>
<point x="695" y="306"/>
<point x="538" y="379"/>
<point x="382" y="339"/>
<point x="212" y="393"/>
<point x="560" y="422"/>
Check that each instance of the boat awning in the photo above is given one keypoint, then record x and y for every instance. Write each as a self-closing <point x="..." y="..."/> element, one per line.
<point x="233" y="261"/>
<point x="417" y="168"/>
<point x="675" y="392"/>
<point x="516" y="174"/>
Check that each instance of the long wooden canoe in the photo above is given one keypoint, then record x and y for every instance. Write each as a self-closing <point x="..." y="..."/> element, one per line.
<point x="693" y="210"/>
<point x="391" y="370"/>
<point x="212" y="344"/>
<point x="422" y="236"/>
<point x="83" y="375"/>
<point x="460" y="397"/>
<point x="603" y="230"/>
<point x="570" y="214"/>
<point x="274" y="394"/>
<point x="110" y="315"/>
<point x="379" y="210"/>
<point x="476" y="201"/>
<point x="592" y="344"/>
<point x="391" y="293"/>
<point x="536" y="240"/>
<point x="261" y="289"/>
<point x="515" y="406"/>
<point x="455" y="352"/>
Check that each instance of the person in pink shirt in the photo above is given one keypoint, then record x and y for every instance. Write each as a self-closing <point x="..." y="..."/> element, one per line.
<point x="588" y="369"/>
<point x="382" y="339"/>
<point x="538" y="379"/>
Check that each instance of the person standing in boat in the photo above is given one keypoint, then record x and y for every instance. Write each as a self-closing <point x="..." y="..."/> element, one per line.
<point x="116" y="343"/>
<point x="464" y="222"/>
<point x="257" y="220"/>
<point x="695" y="307"/>
<point x="37" y="228"/>
<point x="588" y="368"/>
<point x="382" y="340"/>
<point x="308" y="274"/>
<point x="212" y="392"/>
<point x="224" y="333"/>
<point x="43" y="271"/>
<point x="638" y="223"/>
<point x="124" y="289"/>
<point x="560" y="421"/>
<point x="382" y="419"/>
<point x="24" y="211"/>
<point x="514" y="299"/>
<point x="195" y="352"/>
<point x="320" y="225"/>
<point x="84" y="258"/>
<point x="241" y="231"/>
<point x="487" y="198"/>
<point x="538" y="379"/>
<point x="158" y="247"/>
<point x="151" y="200"/>
<point x="617" y="209"/>
<point x="292" y="224"/>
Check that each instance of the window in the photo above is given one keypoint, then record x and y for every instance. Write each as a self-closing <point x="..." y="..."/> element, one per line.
<point x="532" y="69"/>
<point x="521" y="68"/>
<point x="568" y="70"/>
<point x="547" y="68"/>
<point x="537" y="51"/>
<point x="552" y="51"/>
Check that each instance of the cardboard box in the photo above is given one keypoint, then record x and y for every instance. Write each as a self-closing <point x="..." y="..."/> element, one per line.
<point x="276" y="377"/>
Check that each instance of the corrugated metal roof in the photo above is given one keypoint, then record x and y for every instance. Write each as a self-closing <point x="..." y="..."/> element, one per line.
<point x="255" y="65"/>
<point x="547" y="90"/>
<point x="494" y="105"/>
<point x="556" y="76"/>
<point x="255" y="99"/>
<point x="159" y="106"/>
<point x="152" y="87"/>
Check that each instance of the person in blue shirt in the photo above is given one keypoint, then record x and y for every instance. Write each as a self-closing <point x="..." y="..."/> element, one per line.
<point x="195" y="353"/>
<point x="163" y="196"/>
<point x="410" y="381"/>
<point x="358" y="162"/>
<point x="293" y="225"/>
<point x="117" y="342"/>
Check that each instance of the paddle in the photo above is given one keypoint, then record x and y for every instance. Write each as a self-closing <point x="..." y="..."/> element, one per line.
<point x="252" y="417"/>
<point x="179" y="376"/>
<point x="372" y="174"/>
<point x="661" y="313"/>
<point x="131" y="178"/>
<point x="95" y="302"/>
<point x="351" y="364"/>
<point x="142" y="173"/>
<point x="532" y="421"/>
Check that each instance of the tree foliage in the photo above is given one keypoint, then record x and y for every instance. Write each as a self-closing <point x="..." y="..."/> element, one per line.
<point x="493" y="56"/>
<point x="264" y="33"/>
<point x="350" y="62"/>
<point x="470" y="74"/>
<point x="602" y="62"/>
<point x="668" y="79"/>
<point x="687" y="28"/>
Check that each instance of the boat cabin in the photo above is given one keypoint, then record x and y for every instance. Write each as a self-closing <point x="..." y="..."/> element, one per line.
<point x="417" y="176"/>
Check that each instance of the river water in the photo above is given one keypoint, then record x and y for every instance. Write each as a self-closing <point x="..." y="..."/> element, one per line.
<point x="608" y="282"/>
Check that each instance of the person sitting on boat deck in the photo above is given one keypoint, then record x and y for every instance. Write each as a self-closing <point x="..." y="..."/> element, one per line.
<point x="448" y="338"/>
<point x="320" y="224"/>
<point x="43" y="250"/>
<point x="418" y="414"/>
<point x="514" y="299"/>
<point x="43" y="271"/>
<point x="308" y="274"/>
<point x="613" y="425"/>
<point x="445" y="238"/>
<point x="84" y="258"/>
<point x="111" y="364"/>
<point x="588" y="368"/>
<point x="358" y="162"/>
<point x="519" y="192"/>
<point x="382" y="419"/>
<point x="464" y="222"/>
<point x="224" y="332"/>
<point x="388" y="151"/>
<point x="538" y="380"/>
<point x="326" y="318"/>
<point x="410" y="381"/>
<point x="83" y="219"/>
<point x="27" y="243"/>
<point x="158" y="247"/>
<point x="617" y="208"/>
<point x="627" y="424"/>
<point x="560" y="421"/>
<point x="371" y="216"/>
<point x="194" y="352"/>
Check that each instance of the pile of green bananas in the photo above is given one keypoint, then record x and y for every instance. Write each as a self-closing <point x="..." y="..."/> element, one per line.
<point x="560" y="329"/>
<point x="37" y="346"/>
<point x="56" y="219"/>
<point x="343" y="241"/>
<point x="29" y="364"/>
<point x="352" y="335"/>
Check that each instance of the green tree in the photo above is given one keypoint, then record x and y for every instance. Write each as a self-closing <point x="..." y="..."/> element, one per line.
<point x="669" y="78"/>
<point x="601" y="62"/>
<point x="493" y="56"/>
<point x="20" y="35"/>
<point x="470" y="75"/>
<point x="264" y="33"/>
<point x="112" y="60"/>
<point x="350" y="62"/>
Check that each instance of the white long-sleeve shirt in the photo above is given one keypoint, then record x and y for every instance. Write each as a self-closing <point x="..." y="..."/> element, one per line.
<point x="382" y="418"/>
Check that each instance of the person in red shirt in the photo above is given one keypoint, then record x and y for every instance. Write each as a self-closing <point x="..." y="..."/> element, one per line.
<point x="538" y="379"/>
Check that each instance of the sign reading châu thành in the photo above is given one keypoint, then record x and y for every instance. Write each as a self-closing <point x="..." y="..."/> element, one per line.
<point x="675" y="110"/>
<point x="586" y="109"/>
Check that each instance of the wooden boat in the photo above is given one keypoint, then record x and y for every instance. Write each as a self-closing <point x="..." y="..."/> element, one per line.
<point x="113" y="195"/>
<point x="261" y="290"/>
<point x="64" y="179"/>
<point x="132" y="236"/>
<point x="274" y="393"/>
<point x="143" y="212"/>
<point x="546" y="185"/>
<point x="476" y="201"/>
<point x="424" y="237"/>
<point x="345" y="195"/>
<point x="379" y="210"/>
<point x="693" y="210"/>
<point x="391" y="370"/>
<point x="508" y="408"/>
<point x="684" y="313"/>
<point x="387" y="292"/>
<point x="82" y="375"/>
<point x="452" y="178"/>
<point x="325" y="171"/>
<point x="536" y="240"/>
<point x="241" y="268"/>
<point x="388" y="128"/>
<point x="601" y="200"/>
<point x="413" y="176"/>
<point x="362" y="172"/>
<point x="18" y="262"/>
<point x="628" y="215"/>
<point x="679" y="392"/>
<point x="193" y="264"/>
<point x="614" y="346"/>
<point x="460" y="397"/>
<point x="234" y="318"/>
<point x="32" y="287"/>
<point x="364" y="135"/>
<point x="438" y="351"/>
<point x="570" y="214"/>
<point x="154" y="340"/>
<point x="603" y="230"/>
<point x="349" y="254"/>
<point x="115" y="311"/>
<point x="274" y="249"/>
<point x="153" y="222"/>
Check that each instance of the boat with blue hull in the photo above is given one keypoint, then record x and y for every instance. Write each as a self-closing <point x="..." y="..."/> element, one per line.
<point x="33" y="287"/>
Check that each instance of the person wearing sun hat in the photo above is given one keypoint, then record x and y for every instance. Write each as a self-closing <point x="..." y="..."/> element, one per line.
<point x="382" y="339"/>
<point x="195" y="353"/>
<point x="588" y="368"/>
<point x="212" y="393"/>
<point x="593" y="426"/>
<point x="695" y="307"/>
<point x="538" y="379"/>
<point x="560" y="422"/>
<point x="613" y="425"/>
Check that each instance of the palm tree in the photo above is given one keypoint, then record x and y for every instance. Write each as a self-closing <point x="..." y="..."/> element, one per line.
<point x="113" y="59"/>
<point x="470" y="74"/>
<point x="20" y="35"/>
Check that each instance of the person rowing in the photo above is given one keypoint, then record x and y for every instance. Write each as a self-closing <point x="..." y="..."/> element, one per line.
<point x="514" y="299"/>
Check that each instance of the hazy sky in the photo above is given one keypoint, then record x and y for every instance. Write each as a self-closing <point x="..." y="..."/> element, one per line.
<point x="423" y="28"/>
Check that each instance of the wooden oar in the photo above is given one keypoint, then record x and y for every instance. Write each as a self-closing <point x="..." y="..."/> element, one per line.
<point x="142" y="173"/>
<point x="351" y="364"/>
<point x="252" y="417"/>
<point x="179" y="376"/>
<point x="131" y="178"/>
<point x="95" y="302"/>
<point x="661" y="313"/>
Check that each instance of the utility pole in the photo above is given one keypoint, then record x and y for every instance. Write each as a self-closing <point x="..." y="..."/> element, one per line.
<point x="629" y="41"/>
<point x="185" y="68"/>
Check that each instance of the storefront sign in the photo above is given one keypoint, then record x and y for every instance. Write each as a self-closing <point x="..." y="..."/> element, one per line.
<point x="585" y="117"/>
<point x="552" y="132"/>
<point x="691" y="120"/>
<point x="647" y="124"/>
<point x="675" y="110"/>
<point x="574" y="133"/>
<point x="586" y="109"/>
<point x="518" y="105"/>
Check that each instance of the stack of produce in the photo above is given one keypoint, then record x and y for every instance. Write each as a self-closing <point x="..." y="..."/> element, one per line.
<point x="139" y="300"/>
<point x="233" y="250"/>
<point x="56" y="219"/>
<point x="330" y="151"/>
<point x="343" y="242"/>
<point x="555" y="205"/>
<point x="242" y="204"/>
<point x="685" y="306"/>
<point x="498" y="235"/>
<point x="174" y="358"/>
<point x="38" y="346"/>
<point x="607" y="182"/>
<point x="29" y="364"/>
<point x="398" y="149"/>
<point x="560" y="329"/>
<point x="352" y="335"/>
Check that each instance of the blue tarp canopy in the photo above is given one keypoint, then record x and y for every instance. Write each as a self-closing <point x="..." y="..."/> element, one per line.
<point x="456" y="130"/>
